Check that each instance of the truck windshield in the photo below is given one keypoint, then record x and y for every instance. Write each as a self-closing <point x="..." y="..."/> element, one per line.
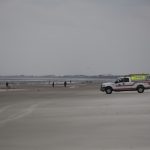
<point x="119" y="80"/>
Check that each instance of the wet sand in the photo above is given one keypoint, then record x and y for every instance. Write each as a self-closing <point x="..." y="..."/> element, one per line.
<point x="74" y="118"/>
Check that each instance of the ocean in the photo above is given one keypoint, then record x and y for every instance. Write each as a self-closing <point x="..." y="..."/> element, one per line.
<point x="40" y="80"/>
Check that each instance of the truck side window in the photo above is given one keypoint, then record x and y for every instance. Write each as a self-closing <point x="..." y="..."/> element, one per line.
<point x="126" y="79"/>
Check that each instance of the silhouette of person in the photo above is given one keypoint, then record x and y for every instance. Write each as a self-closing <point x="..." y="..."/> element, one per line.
<point x="65" y="84"/>
<point x="53" y="84"/>
<point x="7" y="84"/>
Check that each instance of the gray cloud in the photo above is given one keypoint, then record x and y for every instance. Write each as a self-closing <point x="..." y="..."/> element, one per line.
<point x="74" y="37"/>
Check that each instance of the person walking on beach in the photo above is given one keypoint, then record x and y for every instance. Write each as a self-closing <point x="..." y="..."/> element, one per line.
<point x="53" y="84"/>
<point x="65" y="84"/>
<point x="7" y="85"/>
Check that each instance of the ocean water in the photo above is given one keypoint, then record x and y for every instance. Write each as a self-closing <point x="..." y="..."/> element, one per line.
<point x="37" y="80"/>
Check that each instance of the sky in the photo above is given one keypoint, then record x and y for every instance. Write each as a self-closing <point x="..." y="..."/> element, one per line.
<point x="74" y="37"/>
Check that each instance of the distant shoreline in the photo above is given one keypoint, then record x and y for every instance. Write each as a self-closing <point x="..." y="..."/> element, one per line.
<point x="46" y="81"/>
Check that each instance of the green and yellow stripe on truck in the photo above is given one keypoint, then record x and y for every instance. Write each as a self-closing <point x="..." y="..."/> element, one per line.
<point x="138" y="77"/>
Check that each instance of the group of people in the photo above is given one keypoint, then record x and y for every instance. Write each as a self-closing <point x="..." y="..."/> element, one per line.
<point x="65" y="84"/>
<point x="53" y="84"/>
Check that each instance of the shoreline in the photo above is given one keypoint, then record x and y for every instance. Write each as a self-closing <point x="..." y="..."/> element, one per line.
<point x="50" y="87"/>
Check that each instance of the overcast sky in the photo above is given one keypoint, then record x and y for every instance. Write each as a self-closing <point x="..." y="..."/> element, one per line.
<point x="90" y="37"/>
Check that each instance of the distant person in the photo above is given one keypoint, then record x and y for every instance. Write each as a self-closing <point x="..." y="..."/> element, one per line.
<point x="7" y="84"/>
<point x="53" y="84"/>
<point x="65" y="84"/>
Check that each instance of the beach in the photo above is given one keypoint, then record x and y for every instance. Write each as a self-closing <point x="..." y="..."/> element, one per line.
<point x="78" y="117"/>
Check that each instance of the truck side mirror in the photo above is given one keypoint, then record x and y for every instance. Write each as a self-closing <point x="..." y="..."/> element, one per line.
<point x="116" y="81"/>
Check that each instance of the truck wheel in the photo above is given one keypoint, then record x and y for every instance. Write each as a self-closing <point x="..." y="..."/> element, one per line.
<point x="108" y="90"/>
<point x="140" y="89"/>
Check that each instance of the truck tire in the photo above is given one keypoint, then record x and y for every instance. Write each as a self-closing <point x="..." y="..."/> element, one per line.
<point x="140" y="89"/>
<point x="108" y="90"/>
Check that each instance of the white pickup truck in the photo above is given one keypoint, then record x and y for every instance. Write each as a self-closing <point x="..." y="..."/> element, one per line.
<point x="136" y="82"/>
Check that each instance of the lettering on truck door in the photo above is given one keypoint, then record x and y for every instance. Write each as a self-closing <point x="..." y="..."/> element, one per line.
<point x="128" y="84"/>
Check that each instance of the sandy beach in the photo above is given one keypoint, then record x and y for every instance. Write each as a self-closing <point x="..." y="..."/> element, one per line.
<point x="73" y="118"/>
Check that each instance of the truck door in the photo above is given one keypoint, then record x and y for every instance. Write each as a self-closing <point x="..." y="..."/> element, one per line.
<point x="119" y="85"/>
<point x="127" y="83"/>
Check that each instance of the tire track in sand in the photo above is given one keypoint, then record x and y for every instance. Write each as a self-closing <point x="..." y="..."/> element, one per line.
<point x="19" y="114"/>
<point x="5" y="108"/>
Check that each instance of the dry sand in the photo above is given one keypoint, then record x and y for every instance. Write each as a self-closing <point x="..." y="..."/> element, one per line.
<point x="74" y="118"/>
